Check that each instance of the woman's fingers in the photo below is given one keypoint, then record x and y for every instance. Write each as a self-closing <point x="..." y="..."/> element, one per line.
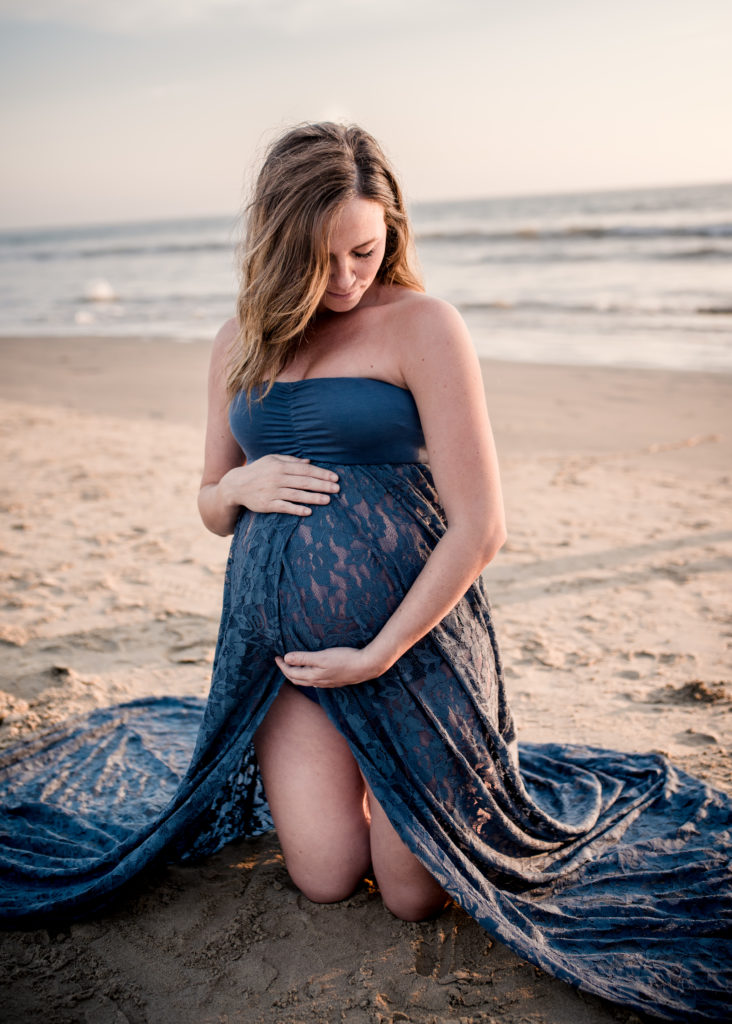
<point x="298" y="673"/>
<point x="283" y="483"/>
<point x="313" y="480"/>
<point x="300" y="665"/>
<point x="303" y="666"/>
<point x="311" y="485"/>
<point x="305" y="488"/>
<point x="294" y="494"/>
<point x="289" y="499"/>
<point x="303" y="467"/>
<point x="302" y="482"/>
<point x="294" y="510"/>
<point x="332" y="666"/>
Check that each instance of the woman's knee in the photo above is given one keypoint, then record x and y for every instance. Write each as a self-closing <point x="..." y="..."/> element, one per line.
<point x="316" y="796"/>
<point x="407" y="888"/>
<point x="330" y="887"/>
<point x="418" y="904"/>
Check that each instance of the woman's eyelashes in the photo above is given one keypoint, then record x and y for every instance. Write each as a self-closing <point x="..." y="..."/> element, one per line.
<point x="364" y="255"/>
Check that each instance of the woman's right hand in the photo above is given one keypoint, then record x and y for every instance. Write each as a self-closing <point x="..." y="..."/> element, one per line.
<point x="279" y="483"/>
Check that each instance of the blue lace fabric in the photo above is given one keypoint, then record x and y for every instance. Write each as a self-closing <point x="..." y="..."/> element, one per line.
<point x="609" y="870"/>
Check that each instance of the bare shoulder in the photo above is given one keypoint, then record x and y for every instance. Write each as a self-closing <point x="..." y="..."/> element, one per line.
<point x="223" y="342"/>
<point x="431" y="331"/>
<point x="225" y="337"/>
<point x="429" y="311"/>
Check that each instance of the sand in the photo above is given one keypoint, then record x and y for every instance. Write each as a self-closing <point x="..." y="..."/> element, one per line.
<point x="611" y="599"/>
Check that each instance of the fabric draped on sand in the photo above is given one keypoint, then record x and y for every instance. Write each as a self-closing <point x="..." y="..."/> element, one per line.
<point x="610" y="870"/>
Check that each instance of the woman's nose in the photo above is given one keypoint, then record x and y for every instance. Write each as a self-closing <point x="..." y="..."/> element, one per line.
<point x="341" y="275"/>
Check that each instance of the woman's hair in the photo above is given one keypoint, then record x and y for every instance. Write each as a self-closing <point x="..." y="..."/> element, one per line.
<point x="307" y="177"/>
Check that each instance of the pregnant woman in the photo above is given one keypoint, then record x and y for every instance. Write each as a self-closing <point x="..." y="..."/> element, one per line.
<point x="341" y="359"/>
<point x="357" y="675"/>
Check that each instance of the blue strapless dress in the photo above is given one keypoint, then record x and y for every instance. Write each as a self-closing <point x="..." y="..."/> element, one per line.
<point x="609" y="870"/>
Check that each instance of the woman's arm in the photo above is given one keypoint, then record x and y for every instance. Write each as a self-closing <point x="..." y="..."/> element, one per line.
<point x="441" y="369"/>
<point x="274" y="483"/>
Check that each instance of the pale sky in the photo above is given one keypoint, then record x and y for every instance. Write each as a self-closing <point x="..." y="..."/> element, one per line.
<point x="134" y="109"/>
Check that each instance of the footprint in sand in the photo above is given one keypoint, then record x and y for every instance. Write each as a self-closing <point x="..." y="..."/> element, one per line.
<point x="14" y="636"/>
<point x="695" y="692"/>
<point x="198" y="652"/>
<point x="34" y="684"/>
<point x="692" y="738"/>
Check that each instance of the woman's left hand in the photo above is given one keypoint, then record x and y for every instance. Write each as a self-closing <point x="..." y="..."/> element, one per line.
<point x="334" y="666"/>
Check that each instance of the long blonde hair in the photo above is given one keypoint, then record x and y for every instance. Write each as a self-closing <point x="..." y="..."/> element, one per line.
<point x="307" y="176"/>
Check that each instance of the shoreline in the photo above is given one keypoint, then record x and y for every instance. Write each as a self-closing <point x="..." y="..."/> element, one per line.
<point x="611" y="600"/>
<point x="38" y="338"/>
<point x="166" y="380"/>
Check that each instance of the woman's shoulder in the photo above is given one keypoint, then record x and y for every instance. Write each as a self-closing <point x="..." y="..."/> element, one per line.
<point x="424" y="321"/>
<point x="428" y="339"/>
<point x="226" y="334"/>
<point x="423" y="310"/>
<point x="223" y="342"/>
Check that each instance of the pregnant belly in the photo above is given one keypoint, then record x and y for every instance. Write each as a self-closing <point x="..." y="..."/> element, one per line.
<point x="344" y="571"/>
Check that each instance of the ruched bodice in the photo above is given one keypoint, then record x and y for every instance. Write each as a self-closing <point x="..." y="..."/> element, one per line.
<point x="346" y="420"/>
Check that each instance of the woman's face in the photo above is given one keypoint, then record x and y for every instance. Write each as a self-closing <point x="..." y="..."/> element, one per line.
<point x="357" y="243"/>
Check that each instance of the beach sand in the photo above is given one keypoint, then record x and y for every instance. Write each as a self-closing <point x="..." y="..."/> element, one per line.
<point x="611" y="601"/>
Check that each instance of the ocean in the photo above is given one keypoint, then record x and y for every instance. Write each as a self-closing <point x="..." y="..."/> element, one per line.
<point x="633" y="277"/>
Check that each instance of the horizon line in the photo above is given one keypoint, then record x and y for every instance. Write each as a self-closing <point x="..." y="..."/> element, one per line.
<point x="235" y="216"/>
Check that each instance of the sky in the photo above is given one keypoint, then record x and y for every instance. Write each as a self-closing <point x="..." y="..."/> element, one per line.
<point x="118" y="110"/>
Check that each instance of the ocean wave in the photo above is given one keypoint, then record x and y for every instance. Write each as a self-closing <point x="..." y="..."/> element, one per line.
<point x="47" y="255"/>
<point x="592" y="308"/>
<point x="555" y="254"/>
<point x="592" y="232"/>
<point x="100" y="292"/>
<point x="706" y="252"/>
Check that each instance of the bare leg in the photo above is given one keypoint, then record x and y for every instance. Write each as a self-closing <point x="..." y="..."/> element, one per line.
<point x="317" y="797"/>
<point x="407" y="888"/>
